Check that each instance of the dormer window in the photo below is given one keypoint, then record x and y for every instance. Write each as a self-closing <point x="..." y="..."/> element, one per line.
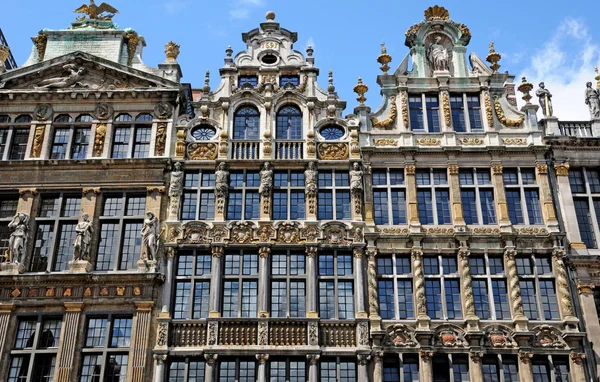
<point x="251" y="80"/>
<point x="284" y="80"/>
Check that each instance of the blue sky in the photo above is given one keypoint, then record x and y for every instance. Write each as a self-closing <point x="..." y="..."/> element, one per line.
<point x="544" y="40"/>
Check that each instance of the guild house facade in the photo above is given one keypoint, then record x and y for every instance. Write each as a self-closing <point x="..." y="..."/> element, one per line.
<point x="151" y="230"/>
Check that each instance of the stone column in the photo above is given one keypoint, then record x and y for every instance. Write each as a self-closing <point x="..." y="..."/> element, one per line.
<point x="166" y="288"/>
<point x="514" y="289"/>
<point x="411" y="198"/>
<point x="216" y="288"/>
<point x="590" y="314"/>
<point x="567" y="206"/>
<point x="359" y="288"/>
<point x="455" y="198"/>
<point x="311" y="288"/>
<point x="159" y="367"/>
<point x="139" y="340"/>
<point x="68" y="341"/>
<point x="425" y="367"/>
<point x="378" y="365"/>
<point x="372" y="290"/>
<point x="548" y="211"/>
<point x="475" y="371"/>
<point x="5" y="313"/>
<point x="262" y="367"/>
<point x="562" y="286"/>
<point x="263" y="281"/>
<point x="577" y="366"/>
<point x="209" y="371"/>
<point x="525" y="371"/>
<point x="363" y="367"/>
<point x="467" y="289"/>
<point x="423" y="319"/>
<point x="313" y="367"/>
<point x="500" y="195"/>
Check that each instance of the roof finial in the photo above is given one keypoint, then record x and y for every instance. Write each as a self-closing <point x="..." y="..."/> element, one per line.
<point x="493" y="58"/>
<point x="597" y="78"/>
<point x="228" y="52"/>
<point x="330" y="87"/>
<point x="361" y="89"/>
<point x="172" y="51"/>
<point x="206" y="87"/>
<point x="525" y="88"/>
<point x="384" y="59"/>
<point x="270" y="16"/>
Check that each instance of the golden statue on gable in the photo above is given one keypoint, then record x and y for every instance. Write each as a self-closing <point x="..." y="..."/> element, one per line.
<point x="95" y="12"/>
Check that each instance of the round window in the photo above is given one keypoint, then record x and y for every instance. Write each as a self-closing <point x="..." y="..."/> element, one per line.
<point x="269" y="59"/>
<point x="332" y="132"/>
<point x="203" y="132"/>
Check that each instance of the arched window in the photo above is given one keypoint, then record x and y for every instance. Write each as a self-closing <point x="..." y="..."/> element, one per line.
<point x="246" y="123"/>
<point x="71" y="140"/>
<point x="14" y="136"/>
<point x="289" y="123"/>
<point x="132" y="140"/>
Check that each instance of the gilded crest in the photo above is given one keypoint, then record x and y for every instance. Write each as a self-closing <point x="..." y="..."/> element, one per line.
<point x="450" y="336"/>
<point x="547" y="336"/>
<point x="499" y="336"/>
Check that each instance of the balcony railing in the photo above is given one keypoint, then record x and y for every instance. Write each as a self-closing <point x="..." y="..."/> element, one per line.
<point x="245" y="150"/>
<point x="337" y="334"/>
<point x="289" y="149"/>
<point x="287" y="333"/>
<point x="575" y="129"/>
<point x="188" y="335"/>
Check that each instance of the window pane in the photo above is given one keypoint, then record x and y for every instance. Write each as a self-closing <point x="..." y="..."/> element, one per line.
<point x="415" y="106"/>
<point x="433" y="117"/>
<point x="433" y="295"/>
<point x="96" y="332"/>
<point x="121" y="332"/>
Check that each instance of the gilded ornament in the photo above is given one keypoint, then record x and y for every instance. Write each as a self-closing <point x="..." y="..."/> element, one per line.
<point x="99" y="139"/>
<point x="453" y="170"/>
<point x="393" y="231"/>
<point x="41" y="40"/>
<point x="503" y="118"/>
<point x="464" y="30"/>
<point x="533" y="231"/>
<point x="172" y="51"/>
<point x="436" y="13"/>
<point x="102" y="12"/>
<point x="585" y="288"/>
<point x="385" y="142"/>
<point x="577" y="358"/>
<point x="471" y="141"/>
<point x="333" y="151"/>
<point x="413" y="30"/>
<point x="161" y="137"/>
<point x="132" y="40"/>
<point x="449" y="335"/>
<point x="391" y="117"/>
<point x="562" y="169"/>
<point x="289" y="233"/>
<point x="25" y="193"/>
<point x="202" y="151"/>
<point x="514" y="141"/>
<point x="525" y="87"/>
<point x="180" y="144"/>
<point x="429" y="141"/>
<point x="493" y="58"/>
<point x="17" y="292"/>
<point x="497" y="169"/>
<point x="488" y="109"/>
<point x="542" y="169"/>
<point x="38" y="141"/>
<point x="335" y="233"/>
<point x="384" y="59"/>
<point x="196" y="232"/>
<point x="438" y="231"/>
<point x="485" y="231"/>
<point x="410" y="170"/>
<point x="404" y="100"/>
<point x="361" y="89"/>
<point x="446" y="106"/>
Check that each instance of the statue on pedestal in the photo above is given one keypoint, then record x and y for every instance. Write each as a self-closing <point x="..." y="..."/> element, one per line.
<point x="18" y="238"/>
<point x="83" y="239"/>
<point x="545" y="98"/>
<point x="150" y="237"/>
<point x="593" y="101"/>
<point x="222" y="181"/>
<point x="356" y="175"/>
<point x="266" y="179"/>
<point x="438" y="56"/>
<point x="310" y="178"/>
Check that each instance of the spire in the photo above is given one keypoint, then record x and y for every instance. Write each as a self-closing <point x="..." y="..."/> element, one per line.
<point x="330" y="87"/>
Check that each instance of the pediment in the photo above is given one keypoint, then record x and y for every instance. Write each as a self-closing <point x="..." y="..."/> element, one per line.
<point x="80" y="71"/>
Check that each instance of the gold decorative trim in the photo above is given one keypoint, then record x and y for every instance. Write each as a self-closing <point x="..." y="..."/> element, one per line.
<point x="453" y="170"/>
<point x="488" y="109"/>
<point x="503" y="118"/>
<point x="132" y="39"/>
<point x="202" y="151"/>
<point x="391" y="118"/>
<point x="24" y="191"/>
<point x="586" y="288"/>
<point x="333" y="151"/>
<point x="393" y="231"/>
<point x="99" y="139"/>
<point x="404" y="100"/>
<point x="514" y="141"/>
<point x="386" y="142"/>
<point x="533" y="231"/>
<point x="41" y="41"/>
<point x="38" y="141"/>
<point x="542" y="169"/>
<point x="446" y="105"/>
<point x="438" y="231"/>
<point x="151" y="189"/>
<point x="172" y="50"/>
<point x="161" y="138"/>
<point x="410" y="170"/>
<point x="562" y="170"/>
<point x="91" y="190"/>
<point x="437" y="13"/>
<point x="471" y="141"/>
<point x="144" y="306"/>
<point x="497" y="170"/>
<point x="429" y="141"/>
<point x="578" y="245"/>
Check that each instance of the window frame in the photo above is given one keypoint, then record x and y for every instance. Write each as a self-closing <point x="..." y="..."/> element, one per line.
<point x="433" y="188"/>
<point x="193" y="279"/>
<point x="5" y="199"/>
<point x="187" y="361"/>
<point x="334" y="189"/>
<point x="537" y="278"/>
<point x="522" y="187"/>
<point x="478" y="188"/>
<point x="398" y="362"/>
<point x="289" y="190"/>
<point x="338" y="369"/>
<point x="238" y="361"/>
<point x="488" y="277"/>
<point x="12" y="126"/>
<point x="243" y="116"/>
<point x="390" y="202"/>
<point x="441" y="276"/>
<point x="72" y="126"/>
<point x="591" y="200"/>
<point x="196" y="189"/>
<point x="289" y="376"/>
<point x="465" y="111"/>
<point x="244" y="189"/>
<point x="288" y="278"/>
<point x="336" y="279"/>
<point x="395" y="277"/>
<point x="420" y="106"/>
<point x="134" y="125"/>
<point x="240" y="278"/>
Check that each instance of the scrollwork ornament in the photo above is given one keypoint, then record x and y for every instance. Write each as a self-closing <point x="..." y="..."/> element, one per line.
<point x="264" y="252"/>
<point x="426" y="354"/>
<point x="161" y="338"/>
<point x="311" y="252"/>
<point x="503" y="118"/>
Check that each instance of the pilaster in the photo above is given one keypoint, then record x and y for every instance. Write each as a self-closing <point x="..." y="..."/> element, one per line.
<point x="411" y="198"/>
<point x="154" y="200"/>
<point x="313" y="367"/>
<point x="363" y="367"/>
<point x="311" y="288"/>
<point x="159" y="367"/>
<point x="467" y="289"/>
<point x="262" y="367"/>
<point x="525" y="371"/>
<point x="423" y="320"/>
<point x="263" y="281"/>
<point x="425" y="367"/>
<point x="567" y="206"/>
<point x="455" y="198"/>
<point x="5" y="314"/>
<point x="360" y="282"/>
<point x="475" y="371"/>
<point x="26" y="200"/>
<point x="562" y="286"/>
<point x="500" y="197"/>
<point x="548" y="211"/>
<point x="372" y="289"/>
<point x="590" y="315"/>
<point x="378" y="365"/>
<point x="139" y="341"/>
<point x="577" y="360"/>
<point x="68" y="342"/>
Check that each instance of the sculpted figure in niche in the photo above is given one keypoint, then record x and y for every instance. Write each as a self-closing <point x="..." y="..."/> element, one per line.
<point x="266" y="179"/>
<point x="437" y="55"/>
<point x="310" y="178"/>
<point x="83" y="239"/>
<point x="150" y="234"/>
<point x="75" y="74"/>
<point x="592" y="100"/>
<point x="222" y="180"/>
<point x="545" y="98"/>
<point x="18" y="238"/>
<point x="356" y="174"/>
<point x="175" y="187"/>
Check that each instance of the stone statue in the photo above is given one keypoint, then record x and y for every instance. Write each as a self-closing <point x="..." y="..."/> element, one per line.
<point x="266" y="179"/>
<point x="18" y="238"/>
<point x="545" y="98"/>
<point x="83" y="239"/>
<point x="356" y="174"/>
<point x="176" y="184"/>
<point x="75" y="74"/>
<point x="222" y="180"/>
<point x="437" y="55"/>
<point x="310" y="178"/>
<point x="150" y="235"/>
<point x="593" y="101"/>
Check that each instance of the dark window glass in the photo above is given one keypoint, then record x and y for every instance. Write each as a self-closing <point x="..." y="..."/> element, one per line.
<point x="415" y="106"/>
<point x="246" y="123"/>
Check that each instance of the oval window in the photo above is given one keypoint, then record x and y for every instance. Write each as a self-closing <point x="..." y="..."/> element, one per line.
<point x="269" y="59"/>
<point x="203" y="132"/>
<point x="332" y="132"/>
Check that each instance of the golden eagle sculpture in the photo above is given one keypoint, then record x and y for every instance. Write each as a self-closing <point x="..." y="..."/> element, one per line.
<point x="96" y="12"/>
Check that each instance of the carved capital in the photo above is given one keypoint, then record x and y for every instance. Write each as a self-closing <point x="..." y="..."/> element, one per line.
<point x="262" y="358"/>
<point x="73" y="307"/>
<point x="91" y="191"/>
<point x="410" y="170"/>
<point x="497" y="170"/>
<point x="264" y="252"/>
<point x="27" y="192"/>
<point x="155" y="189"/>
<point x="311" y="251"/>
<point x="476" y="356"/>
<point x="211" y="358"/>
<point x="426" y="354"/>
<point x="144" y="306"/>
<point x="363" y="359"/>
<point x="525" y="356"/>
<point x="372" y="252"/>
<point x="358" y="252"/>
<point x="542" y="169"/>
<point x="585" y="288"/>
<point x="577" y="357"/>
<point x="313" y="358"/>
<point x="562" y="169"/>
<point x="217" y="252"/>
<point x="453" y="170"/>
<point x="160" y="358"/>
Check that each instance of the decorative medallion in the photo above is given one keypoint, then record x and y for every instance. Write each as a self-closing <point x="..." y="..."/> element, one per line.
<point x="499" y="336"/>
<point x="43" y="112"/>
<point x="334" y="233"/>
<point x="242" y="232"/>
<point x="514" y="141"/>
<point x="429" y="141"/>
<point x="547" y="336"/>
<point x="471" y="141"/>
<point x="163" y="110"/>
<point x="449" y="336"/>
<point x="289" y="233"/>
<point x="103" y="111"/>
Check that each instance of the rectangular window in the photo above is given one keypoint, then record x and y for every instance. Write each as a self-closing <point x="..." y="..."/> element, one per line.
<point x="237" y="369"/>
<point x="333" y="195"/>
<point x="458" y="113"/>
<point x="240" y="287"/>
<point x="105" y="355"/>
<point x="287" y="370"/>
<point x="474" y="107"/>
<point x="394" y="367"/>
<point x="120" y="225"/>
<point x="338" y="370"/>
<point x="81" y="142"/>
<point x="288" y="195"/>
<point x="395" y="287"/>
<point x="389" y="196"/>
<point x="198" y="196"/>
<point x="60" y="143"/>
<point x="442" y="287"/>
<point x="192" y="285"/>
<point x="186" y="370"/>
<point x="336" y="285"/>
<point x="537" y="282"/>
<point x="477" y="195"/>
<point x="489" y="287"/>
<point x="415" y="106"/>
<point x="288" y="284"/>
<point x="585" y="186"/>
<point x="33" y="357"/>
<point x="252" y="80"/>
<point x="244" y="200"/>
<point x="56" y="220"/>
<point x="141" y="142"/>
<point x="460" y="368"/>
<point x="19" y="144"/>
<point x="121" y="142"/>
<point x="433" y="113"/>
<point x="284" y="80"/>
<point x="522" y="196"/>
<point x="433" y="197"/>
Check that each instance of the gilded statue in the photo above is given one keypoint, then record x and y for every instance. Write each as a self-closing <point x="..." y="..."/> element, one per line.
<point x="83" y="239"/>
<point x="592" y="100"/>
<point x="96" y="12"/>
<point x="18" y="238"/>
<point x="150" y="235"/>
